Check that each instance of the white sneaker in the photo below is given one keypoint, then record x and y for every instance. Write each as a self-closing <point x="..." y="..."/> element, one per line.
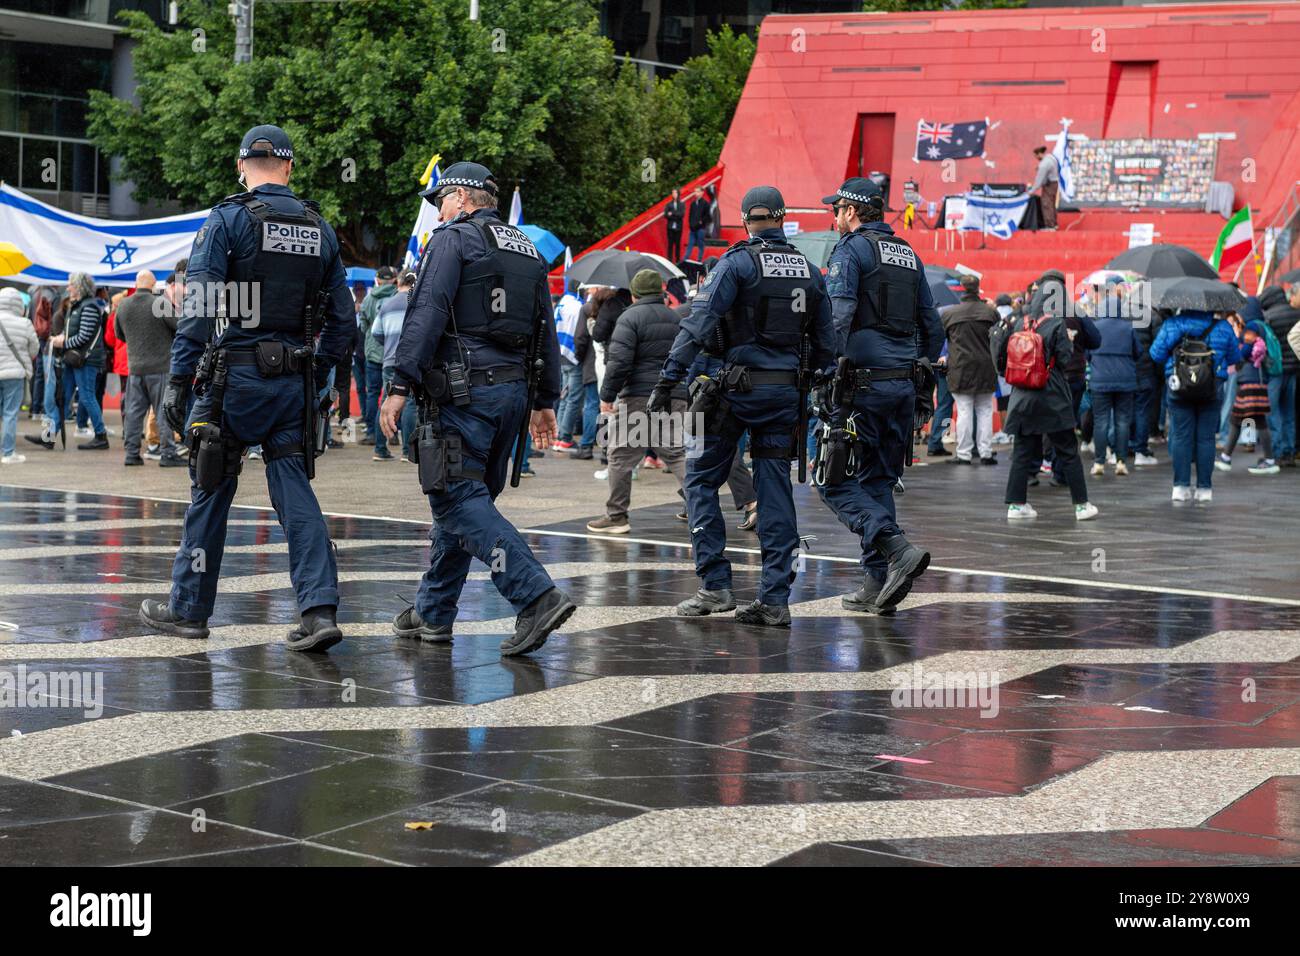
<point x="1098" y="470"/>
<point x="1182" y="493"/>
<point x="14" y="459"/>
<point x="1121" y="468"/>
<point x="1204" y="494"/>
<point x="1141" y="459"/>
<point x="1222" y="463"/>
<point x="86" y="432"/>
<point x="1266" y="466"/>
<point x="1085" y="512"/>
<point x="601" y="475"/>
<point x="1110" y="458"/>
<point x="1086" y="447"/>
<point x="1001" y="438"/>
<point x="1045" y="468"/>
<point x="1018" y="512"/>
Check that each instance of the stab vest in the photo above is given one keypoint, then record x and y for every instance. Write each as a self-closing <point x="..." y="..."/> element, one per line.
<point x="776" y="309"/>
<point x="286" y="267"/>
<point x="887" y="294"/>
<point x="497" y="297"/>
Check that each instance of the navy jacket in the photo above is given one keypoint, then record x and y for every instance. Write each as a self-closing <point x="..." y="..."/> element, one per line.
<point x="1115" y="360"/>
<point x="718" y="292"/>
<point x="1222" y="340"/>
<point x="231" y="232"/>
<point x="427" y="334"/>
<point x="852" y="258"/>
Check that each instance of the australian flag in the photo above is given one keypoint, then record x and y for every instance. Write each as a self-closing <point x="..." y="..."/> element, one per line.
<point x="939" y="141"/>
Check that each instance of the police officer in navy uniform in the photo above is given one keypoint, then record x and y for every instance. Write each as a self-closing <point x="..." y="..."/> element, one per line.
<point x="885" y="321"/>
<point x="766" y="299"/>
<point x="262" y="258"/>
<point x="479" y="298"/>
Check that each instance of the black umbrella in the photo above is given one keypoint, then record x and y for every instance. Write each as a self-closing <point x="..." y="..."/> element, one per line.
<point x="1163" y="261"/>
<point x="937" y="277"/>
<point x="1292" y="276"/>
<point x="614" y="268"/>
<point x="1193" y="292"/>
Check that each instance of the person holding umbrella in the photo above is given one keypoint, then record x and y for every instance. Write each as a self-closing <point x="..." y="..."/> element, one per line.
<point x="1193" y="415"/>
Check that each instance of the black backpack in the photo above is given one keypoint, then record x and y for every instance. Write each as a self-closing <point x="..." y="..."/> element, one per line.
<point x="1193" y="378"/>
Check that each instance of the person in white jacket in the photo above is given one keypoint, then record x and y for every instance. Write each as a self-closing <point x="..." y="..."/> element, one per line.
<point x="18" y="345"/>
<point x="1293" y="338"/>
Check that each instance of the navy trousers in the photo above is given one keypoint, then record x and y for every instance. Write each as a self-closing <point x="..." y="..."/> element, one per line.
<point x="865" y="504"/>
<point x="466" y="523"/>
<point x="769" y="414"/>
<point x="257" y="411"/>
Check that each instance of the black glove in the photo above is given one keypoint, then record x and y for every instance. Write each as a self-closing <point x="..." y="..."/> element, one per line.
<point x="321" y="372"/>
<point x="176" y="398"/>
<point x="661" y="399"/>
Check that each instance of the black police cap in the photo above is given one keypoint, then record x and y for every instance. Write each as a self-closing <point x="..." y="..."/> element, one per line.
<point x="765" y="197"/>
<point x="264" y="141"/>
<point x="859" y="190"/>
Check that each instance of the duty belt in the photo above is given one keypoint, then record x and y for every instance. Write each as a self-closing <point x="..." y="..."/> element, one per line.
<point x="761" y="377"/>
<point x="287" y="359"/>
<point x="499" y="375"/>
<point x="863" y="377"/>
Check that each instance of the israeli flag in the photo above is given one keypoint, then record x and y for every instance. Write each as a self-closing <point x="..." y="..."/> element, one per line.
<point x="1061" y="153"/>
<point x="994" y="215"/>
<point x="426" y="220"/>
<point x="516" y="210"/>
<point x="55" y="243"/>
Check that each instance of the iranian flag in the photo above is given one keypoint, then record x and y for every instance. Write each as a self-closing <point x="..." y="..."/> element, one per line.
<point x="1234" y="242"/>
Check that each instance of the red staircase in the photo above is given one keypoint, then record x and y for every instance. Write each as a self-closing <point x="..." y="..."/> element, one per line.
<point x="1084" y="241"/>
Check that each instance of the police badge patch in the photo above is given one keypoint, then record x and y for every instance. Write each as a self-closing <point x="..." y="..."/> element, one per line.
<point x="201" y="235"/>
<point x="834" y="270"/>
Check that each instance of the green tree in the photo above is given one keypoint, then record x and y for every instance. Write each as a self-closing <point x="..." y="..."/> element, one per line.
<point x="368" y="92"/>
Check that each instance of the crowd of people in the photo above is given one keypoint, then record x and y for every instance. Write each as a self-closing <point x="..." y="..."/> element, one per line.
<point x="1108" y="392"/>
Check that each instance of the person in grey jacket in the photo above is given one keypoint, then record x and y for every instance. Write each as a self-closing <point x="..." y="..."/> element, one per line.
<point x="146" y="322"/>
<point x="18" y="349"/>
<point x="85" y="333"/>
<point x="641" y="341"/>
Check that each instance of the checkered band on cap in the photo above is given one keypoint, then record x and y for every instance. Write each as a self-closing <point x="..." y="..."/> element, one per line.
<point x="255" y="150"/>
<point x="856" y="197"/>
<point x="468" y="182"/>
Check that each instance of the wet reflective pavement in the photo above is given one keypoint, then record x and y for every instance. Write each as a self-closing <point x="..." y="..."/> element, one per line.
<point x="1115" y="726"/>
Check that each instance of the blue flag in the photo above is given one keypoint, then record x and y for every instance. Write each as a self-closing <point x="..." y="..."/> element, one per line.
<point x="939" y="141"/>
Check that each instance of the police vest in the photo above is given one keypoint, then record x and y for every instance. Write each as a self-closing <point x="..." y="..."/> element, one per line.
<point x="497" y="298"/>
<point x="776" y="309"/>
<point x="887" y="294"/>
<point x="286" y="267"/>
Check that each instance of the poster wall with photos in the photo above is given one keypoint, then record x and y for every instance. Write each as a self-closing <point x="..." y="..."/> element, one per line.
<point x="1143" y="172"/>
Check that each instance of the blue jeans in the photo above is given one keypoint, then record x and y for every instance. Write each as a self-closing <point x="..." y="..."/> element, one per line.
<point x="1105" y="406"/>
<point x="406" y="425"/>
<point x="374" y="385"/>
<point x="942" y="413"/>
<point x="590" y="415"/>
<point x="1281" y="417"/>
<point x="1227" y="395"/>
<point x="1191" y="437"/>
<point x="570" y="405"/>
<point x="1139" y="438"/>
<point x="696" y="239"/>
<point x="83" y="380"/>
<point x="11" y="399"/>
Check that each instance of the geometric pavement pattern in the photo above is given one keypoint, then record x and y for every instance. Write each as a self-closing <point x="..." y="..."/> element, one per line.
<point x="1131" y="727"/>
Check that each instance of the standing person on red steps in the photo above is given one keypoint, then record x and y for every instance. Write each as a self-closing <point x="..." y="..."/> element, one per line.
<point x="1032" y="355"/>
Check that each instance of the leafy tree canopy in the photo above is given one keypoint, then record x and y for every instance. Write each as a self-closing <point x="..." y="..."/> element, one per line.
<point x="369" y="91"/>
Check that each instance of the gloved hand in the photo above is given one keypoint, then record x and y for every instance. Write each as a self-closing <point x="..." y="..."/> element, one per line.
<point x="321" y="371"/>
<point x="176" y="397"/>
<point x="661" y="399"/>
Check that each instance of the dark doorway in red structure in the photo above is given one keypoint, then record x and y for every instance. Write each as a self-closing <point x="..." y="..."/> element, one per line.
<point x="1130" y="100"/>
<point x="875" y="151"/>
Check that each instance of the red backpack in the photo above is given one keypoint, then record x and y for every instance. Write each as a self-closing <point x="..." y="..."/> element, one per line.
<point x="1026" y="367"/>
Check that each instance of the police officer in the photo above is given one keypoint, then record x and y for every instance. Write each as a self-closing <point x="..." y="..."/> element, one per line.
<point x="884" y="321"/>
<point x="262" y="262"/>
<point x="769" y="305"/>
<point x="479" y="300"/>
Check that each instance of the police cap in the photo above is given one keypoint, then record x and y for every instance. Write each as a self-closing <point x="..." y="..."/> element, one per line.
<point x="858" y="190"/>
<point x="266" y="141"/>
<point x="763" y="197"/>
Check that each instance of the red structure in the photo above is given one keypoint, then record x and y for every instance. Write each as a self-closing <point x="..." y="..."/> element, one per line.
<point x="837" y="95"/>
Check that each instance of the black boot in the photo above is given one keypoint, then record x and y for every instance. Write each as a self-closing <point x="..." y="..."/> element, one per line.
<point x="764" y="615"/>
<point x="98" y="443"/>
<point x="40" y="440"/>
<point x="409" y="624"/>
<point x="318" y="631"/>
<point x="159" y="616"/>
<point x="535" y="623"/>
<point x="865" y="598"/>
<point x="906" y="562"/>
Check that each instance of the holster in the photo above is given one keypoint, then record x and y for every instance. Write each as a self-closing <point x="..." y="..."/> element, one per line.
<point x="215" y="457"/>
<point x="708" y="405"/>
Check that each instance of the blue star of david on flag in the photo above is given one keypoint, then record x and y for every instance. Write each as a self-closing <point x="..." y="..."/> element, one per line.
<point x="111" y="252"/>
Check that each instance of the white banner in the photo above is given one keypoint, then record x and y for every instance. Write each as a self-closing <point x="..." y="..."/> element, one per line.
<point x="57" y="243"/>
